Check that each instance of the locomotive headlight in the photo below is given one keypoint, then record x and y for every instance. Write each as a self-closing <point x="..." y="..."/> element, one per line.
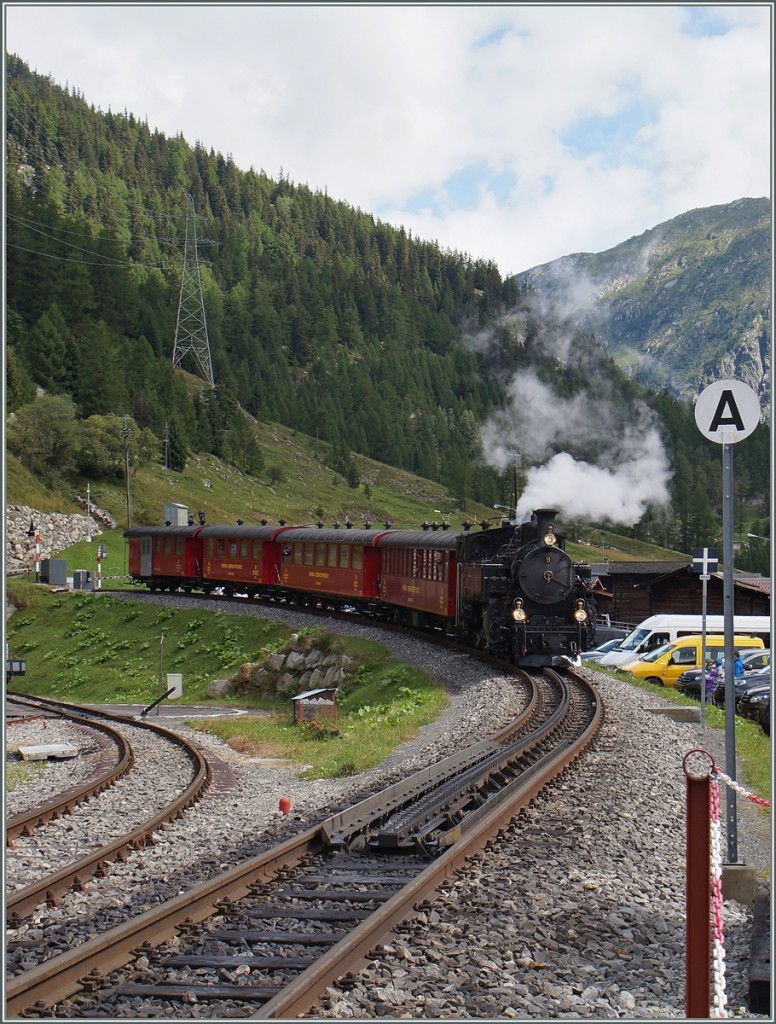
<point x="518" y="612"/>
<point x="579" y="614"/>
<point x="549" y="537"/>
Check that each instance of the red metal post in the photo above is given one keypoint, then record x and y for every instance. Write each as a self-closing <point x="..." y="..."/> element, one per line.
<point x="698" y="894"/>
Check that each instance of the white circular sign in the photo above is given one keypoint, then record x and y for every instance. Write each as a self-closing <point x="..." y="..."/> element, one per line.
<point x="727" y="411"/>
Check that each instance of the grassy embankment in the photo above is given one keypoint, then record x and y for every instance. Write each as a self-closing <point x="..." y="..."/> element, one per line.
<point x="96" y="649"/>
<point x="305" y="490"/>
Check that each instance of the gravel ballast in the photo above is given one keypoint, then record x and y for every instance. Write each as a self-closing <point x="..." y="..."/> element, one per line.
<point x="576" y="911"/>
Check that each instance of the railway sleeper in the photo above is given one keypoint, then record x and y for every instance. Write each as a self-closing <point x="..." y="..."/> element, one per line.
<point x="296" y="963"/>
<point x="184" y="990"/>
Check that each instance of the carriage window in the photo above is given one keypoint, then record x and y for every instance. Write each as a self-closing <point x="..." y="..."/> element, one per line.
<point x="320" y="554"/>
<point x="243" y="548"/>
<point x="332" y="556"/>
<point x="179" y="545"/>
<point x="257" y="549"/>
<point x="209" y="546"/>
<point x="232" y="547"/>
<point x="168" y="545"/>
<point x="358" y="556"/>
<point x="159" y="545"/>
<point x="344" y="557"/>
<point x="308" y="554"/>
<point x="415" y="565"/>
<point x="220" y="546"/>
<point x="298" y="554"/>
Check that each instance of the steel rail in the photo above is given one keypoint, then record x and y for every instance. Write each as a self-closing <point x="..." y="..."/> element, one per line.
<point x="62" y="975"/>
<point x="22" y="902"/>
<point x="350" y="953"/>
<point x="82" y="967"/>
<point x="26" y="821"/>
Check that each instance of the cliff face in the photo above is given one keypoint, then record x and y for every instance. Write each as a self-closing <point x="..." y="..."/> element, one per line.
<point x="686" y="303"/>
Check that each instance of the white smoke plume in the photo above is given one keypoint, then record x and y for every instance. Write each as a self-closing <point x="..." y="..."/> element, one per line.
<point x="627" y="472"/>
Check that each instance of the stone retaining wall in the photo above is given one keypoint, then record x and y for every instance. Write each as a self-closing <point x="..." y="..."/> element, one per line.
<point x="301" y="667"/>
<point x="56" y="530"/>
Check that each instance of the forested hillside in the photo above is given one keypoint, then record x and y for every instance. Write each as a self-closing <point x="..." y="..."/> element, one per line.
<point x="319" y="317"/>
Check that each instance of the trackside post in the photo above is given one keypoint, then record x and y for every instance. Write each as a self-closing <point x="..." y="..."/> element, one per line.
<point x="698" y="865"/>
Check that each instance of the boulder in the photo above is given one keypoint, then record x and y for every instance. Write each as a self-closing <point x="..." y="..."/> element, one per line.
<point x="220" y="688"/>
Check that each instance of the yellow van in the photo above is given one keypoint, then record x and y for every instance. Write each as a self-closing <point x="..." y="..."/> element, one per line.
<point x="666" y="663"/>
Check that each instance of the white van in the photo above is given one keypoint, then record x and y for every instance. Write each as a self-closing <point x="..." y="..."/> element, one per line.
<point x="661" y="629"/>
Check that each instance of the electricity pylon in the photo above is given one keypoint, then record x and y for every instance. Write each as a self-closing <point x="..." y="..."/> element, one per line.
<point x="191" y="328"/>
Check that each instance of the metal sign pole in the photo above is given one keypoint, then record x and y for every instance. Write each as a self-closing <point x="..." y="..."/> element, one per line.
<point x="704" y="593"/>
<point x="726" y="412"/>
<point x="729" y="620"/>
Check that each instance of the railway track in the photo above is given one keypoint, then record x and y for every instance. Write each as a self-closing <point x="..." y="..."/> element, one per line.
<point x="137" y="828"/>
<point x="267" y="936"/>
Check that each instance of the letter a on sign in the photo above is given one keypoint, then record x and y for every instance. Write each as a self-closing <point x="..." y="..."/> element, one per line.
<point x="727" y="411"/>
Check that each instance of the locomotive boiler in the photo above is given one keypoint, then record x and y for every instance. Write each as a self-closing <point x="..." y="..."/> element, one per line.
<point x="523" y="597"/>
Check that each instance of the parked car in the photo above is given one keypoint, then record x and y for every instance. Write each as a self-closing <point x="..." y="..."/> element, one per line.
<point x="753" y="701"/>
<point x="598" y="652"/>
<point x="765" y="718"/>
<point x="742" y="684"/>
<point x="666" y="663"/>
<point x="689" y="682"/>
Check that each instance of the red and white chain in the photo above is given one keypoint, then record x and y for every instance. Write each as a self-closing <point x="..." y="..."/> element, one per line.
<point x="718" y="992"/>
<point x="719" y="995"/>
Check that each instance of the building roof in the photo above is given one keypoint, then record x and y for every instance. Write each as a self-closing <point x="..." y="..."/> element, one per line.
<point x="634" y="568"/>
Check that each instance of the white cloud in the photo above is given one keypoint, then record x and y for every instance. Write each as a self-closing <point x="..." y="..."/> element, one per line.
<point x="382" y="104"/>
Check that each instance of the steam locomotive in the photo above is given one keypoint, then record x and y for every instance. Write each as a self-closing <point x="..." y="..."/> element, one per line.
<point x="510" y="590"/>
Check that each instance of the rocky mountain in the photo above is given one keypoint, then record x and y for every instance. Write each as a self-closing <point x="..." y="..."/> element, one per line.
<point x="685" y="303"/>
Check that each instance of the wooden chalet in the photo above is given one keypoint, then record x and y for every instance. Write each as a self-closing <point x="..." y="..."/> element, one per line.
<point x="640" y="589"/>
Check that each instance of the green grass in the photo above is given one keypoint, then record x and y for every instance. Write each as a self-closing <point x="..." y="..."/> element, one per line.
<point x="97" y="649"/>
<point x="21" y="773"/>
<point x="384" y="705"/>
<point x="92" y="648"/>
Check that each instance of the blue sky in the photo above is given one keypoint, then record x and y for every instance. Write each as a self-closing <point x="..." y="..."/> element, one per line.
<point x="513" y="133"/>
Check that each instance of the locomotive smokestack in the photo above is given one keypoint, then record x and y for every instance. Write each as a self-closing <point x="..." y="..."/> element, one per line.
<point x="545" y="517"/>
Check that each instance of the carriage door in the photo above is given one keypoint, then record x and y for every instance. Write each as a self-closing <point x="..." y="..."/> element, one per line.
<point x="146" y="547"/>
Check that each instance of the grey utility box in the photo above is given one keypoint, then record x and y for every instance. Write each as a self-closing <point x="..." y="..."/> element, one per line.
<point x="175" y="514"/>
<point x="83" y="579"/>
<point x="53" y="571"/>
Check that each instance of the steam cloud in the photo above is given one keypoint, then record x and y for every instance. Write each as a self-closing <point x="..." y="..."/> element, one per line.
<point x="596" y="463"/>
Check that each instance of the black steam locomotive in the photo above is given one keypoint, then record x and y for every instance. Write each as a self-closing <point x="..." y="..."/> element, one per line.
<point x="523" y="597"/>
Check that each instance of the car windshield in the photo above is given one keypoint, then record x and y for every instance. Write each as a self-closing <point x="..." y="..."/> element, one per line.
<point x="630" y="643"/>
<point x="654" y="655"/>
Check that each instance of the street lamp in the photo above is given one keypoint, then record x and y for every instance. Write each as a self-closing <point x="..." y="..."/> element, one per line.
<point x="758" y="537"/>
<point x="508" y="508"/>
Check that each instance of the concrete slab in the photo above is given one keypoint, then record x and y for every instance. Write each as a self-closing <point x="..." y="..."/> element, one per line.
<point x="677" y="713"/>
<point x="45" y="750"/>
<point x="739" y="883"/>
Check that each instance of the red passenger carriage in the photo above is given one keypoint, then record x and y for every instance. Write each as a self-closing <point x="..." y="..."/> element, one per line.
<point x="339" y="564"/>
<point x="418" y="573"/>
<point x="165" y="557"/>
<point x="242" y="559"/>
